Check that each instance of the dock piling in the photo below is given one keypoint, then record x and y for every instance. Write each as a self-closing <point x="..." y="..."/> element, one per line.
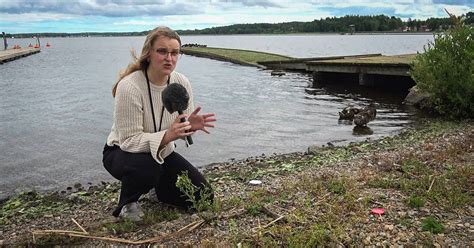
<point x="5" y="44"/>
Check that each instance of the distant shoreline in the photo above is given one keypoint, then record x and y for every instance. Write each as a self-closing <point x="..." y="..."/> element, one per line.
<point x="81" y="35"/>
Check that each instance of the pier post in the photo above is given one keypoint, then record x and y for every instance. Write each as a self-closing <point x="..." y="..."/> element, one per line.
<point x="5" y="44"/>
<point x="317" y="79"/>
<point x="365" y="79"/>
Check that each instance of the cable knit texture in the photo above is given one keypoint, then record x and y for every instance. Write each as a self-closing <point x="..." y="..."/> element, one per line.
<point x="133" y="128"/>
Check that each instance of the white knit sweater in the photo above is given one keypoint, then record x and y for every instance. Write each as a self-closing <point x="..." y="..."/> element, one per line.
<point x="133" y="128"/>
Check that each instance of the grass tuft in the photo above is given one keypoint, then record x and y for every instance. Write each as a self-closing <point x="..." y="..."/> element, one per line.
<point x="432" y="225"/>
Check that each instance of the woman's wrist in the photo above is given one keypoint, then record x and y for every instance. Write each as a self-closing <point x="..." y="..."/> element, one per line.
<point x="166" y="139"/>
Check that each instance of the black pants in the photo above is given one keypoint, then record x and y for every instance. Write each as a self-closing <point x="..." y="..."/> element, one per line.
<point x="139" y="173"/>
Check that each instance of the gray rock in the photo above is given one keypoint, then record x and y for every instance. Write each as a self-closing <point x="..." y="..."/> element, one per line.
<point x="416" y="97"/>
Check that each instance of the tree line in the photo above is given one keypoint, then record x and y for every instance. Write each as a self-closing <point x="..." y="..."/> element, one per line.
<point x="345" y="24"/>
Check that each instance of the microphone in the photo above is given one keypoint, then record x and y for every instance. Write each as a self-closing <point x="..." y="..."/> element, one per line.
<point x="175" y="98"/>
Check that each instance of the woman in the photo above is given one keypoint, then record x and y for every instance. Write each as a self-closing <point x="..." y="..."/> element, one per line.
<point x="140" y="147"/>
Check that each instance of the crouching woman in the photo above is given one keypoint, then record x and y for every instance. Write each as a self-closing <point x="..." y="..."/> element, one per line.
<point x="140" y="147"/>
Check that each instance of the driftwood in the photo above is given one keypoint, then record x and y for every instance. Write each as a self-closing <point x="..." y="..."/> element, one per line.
<point x="85" y="234"/>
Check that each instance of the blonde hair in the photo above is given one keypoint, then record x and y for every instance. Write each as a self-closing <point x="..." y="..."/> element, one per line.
<point x="141" y="63"/>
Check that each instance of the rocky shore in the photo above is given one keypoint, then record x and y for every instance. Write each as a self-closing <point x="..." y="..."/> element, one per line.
<point x="423" y="179"/>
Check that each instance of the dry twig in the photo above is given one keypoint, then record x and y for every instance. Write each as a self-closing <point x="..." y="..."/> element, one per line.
<point x="180" y="232"/>
<point x="273" y="222"/>
<point x="431" y="185"/>
<point x="77" y="223"/>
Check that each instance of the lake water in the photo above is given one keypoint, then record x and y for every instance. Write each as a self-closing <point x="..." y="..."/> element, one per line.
<point x="56" y="106"/>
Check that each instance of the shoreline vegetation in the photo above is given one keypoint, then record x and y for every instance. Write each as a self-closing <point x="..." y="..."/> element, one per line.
<point x="348" y="24"/>
<point x="415" y="189"/>
<point x="423" y="178"/>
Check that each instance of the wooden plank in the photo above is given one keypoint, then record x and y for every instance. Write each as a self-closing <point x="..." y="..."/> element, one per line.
<point x="398" y="65"/>
<point x="302" y="63"/>
<point x="12" y="54"/>
<point x="319" y="58"/>
<point x="396" y="60"/>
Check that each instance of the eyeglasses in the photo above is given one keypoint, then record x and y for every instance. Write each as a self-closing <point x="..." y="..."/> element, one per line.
<point x="164" y="52"/>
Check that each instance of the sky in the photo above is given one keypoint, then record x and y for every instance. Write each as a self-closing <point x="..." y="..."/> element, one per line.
<point x="74" y="16"/>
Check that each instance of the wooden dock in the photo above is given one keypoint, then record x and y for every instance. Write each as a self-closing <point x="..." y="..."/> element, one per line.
<point x="12" y="54"/>
<point x="365" y="67"/>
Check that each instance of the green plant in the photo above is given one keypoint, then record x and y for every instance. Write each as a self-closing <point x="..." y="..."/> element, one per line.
<point x="432" y="225"/>
<point x="337" y="186"/>
<point x="416" y="202"/>
<point x="317" y="235"/>
<point x="159" y="214"/>
<point x="446" y="71"/>
<point x="253" y="208"/>
<point x="200" y="197"/>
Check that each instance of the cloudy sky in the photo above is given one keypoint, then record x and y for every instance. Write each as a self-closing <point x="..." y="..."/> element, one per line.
<point x="25" y="16"/>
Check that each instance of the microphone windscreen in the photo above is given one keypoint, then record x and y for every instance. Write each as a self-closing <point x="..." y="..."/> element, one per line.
<point x="175" y="98"/>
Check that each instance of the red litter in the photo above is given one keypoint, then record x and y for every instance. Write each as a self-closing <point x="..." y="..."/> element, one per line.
<point x="378" y="211"/>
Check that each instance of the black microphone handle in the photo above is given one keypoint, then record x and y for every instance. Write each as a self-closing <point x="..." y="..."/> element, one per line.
<point x="188" y="138"/>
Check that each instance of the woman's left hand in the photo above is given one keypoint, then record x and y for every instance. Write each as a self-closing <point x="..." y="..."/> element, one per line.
<point x="201" y="122"/>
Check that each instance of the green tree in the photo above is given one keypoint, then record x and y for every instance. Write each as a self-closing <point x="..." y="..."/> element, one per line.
<point x="446" y="71"/>
<point x="469" y="18"/>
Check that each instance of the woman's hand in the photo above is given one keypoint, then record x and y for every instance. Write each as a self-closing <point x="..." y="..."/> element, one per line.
<point x="177" y="130"/>
<point x="201" y="122"/>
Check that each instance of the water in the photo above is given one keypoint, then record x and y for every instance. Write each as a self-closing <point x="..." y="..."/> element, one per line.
<point x="56" y="106"/>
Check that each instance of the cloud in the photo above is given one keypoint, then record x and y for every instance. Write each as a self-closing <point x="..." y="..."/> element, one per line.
<point x="254" y="3"/>
<point x="109" y="8"/>
<point x="469" y="3"/>
<point x="33" y="17"/>
<point x="128" y="15"/>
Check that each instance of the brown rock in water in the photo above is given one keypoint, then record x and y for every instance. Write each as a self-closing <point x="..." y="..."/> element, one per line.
<point x="362" y="130"/>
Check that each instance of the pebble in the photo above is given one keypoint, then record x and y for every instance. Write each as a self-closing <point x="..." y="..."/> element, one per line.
<point x="467" y="224"/>
<point x="388" y="227"/>
<point x="366" y="241"/>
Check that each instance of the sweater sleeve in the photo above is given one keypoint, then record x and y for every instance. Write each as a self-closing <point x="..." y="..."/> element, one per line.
<point x="130" y="126"/>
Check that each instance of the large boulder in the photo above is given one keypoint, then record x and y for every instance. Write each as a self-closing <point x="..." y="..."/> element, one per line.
<point x="416" y="97"/>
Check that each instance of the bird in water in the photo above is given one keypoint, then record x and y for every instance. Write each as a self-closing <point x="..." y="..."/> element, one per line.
<point x="348" y="113"/>
<point x="366" y="115"/>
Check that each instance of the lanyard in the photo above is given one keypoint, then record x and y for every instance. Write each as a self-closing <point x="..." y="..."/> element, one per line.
<point x="151" y="102"/>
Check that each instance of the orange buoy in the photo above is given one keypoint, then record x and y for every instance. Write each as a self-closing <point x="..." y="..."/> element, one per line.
<point x="37" y="46"/>
<point x="48" y="45"/>
<point x="30" y="45"/>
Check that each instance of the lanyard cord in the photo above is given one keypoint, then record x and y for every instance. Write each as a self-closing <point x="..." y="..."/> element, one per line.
<point x="151" y="102"/>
